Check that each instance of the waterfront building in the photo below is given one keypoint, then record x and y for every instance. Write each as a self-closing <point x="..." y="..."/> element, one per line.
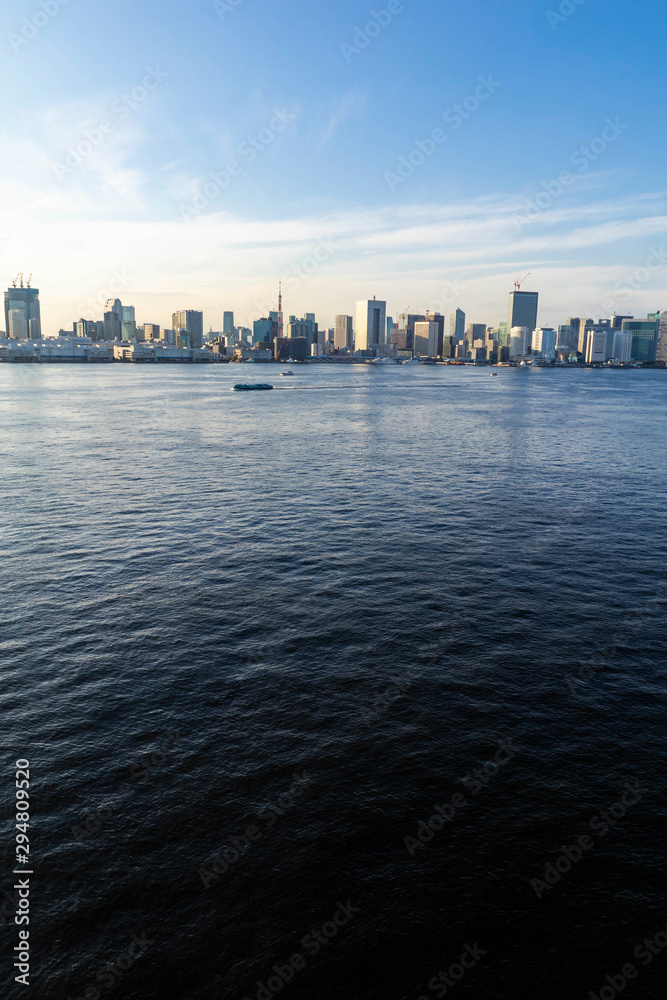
<point x="227" y="324"/>
<point x="523" y="313"/>
<point x="265" y="330"/>
<point x="544" y="342"/>
<point x="426" y="339"/>
<point x="128" y="330"/>
<point x="406" y="323"/>
<point x="622" y="346"/>
<point x="151" y="331"/>
<point x="568" y="337"/>
<point x="371" y="324"/>
<point x="191" y="322"/>
<point x="88" y="328"/>
<point x="585" y="328"/>
<point x="518" y="340"/>
<point x="305" y="327"/>
<point x="457" y="326"/>
<point x="596" y="347"/>
<point x="438" y="345"/>
<point x="26" y="323"/>
<point x="291" y="348"/>
<point x="112" y="325"/>
<point x="18" y="325"/>
<point x="661" y="349"/>
<point x="399" y="339"/>
<point x="503" y="335"/>
<point x="644" y="338"/>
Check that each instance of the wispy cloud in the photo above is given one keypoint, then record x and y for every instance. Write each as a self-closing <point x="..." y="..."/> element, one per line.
<point x="105" y="215"/>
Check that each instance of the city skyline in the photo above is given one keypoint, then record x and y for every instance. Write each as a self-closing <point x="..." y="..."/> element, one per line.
<point x="207" y="189"/>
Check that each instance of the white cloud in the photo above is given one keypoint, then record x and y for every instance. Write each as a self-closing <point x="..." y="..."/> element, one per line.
<point x="72" y="234"/>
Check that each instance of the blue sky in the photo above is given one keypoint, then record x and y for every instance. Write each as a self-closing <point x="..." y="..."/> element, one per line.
<point x="166" y="196"/>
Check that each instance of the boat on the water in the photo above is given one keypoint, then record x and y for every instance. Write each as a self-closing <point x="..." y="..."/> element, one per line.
<point x="249" y="386"/>
<point x="283" y="374"/>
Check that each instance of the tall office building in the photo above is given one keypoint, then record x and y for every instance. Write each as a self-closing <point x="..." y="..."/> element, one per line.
<point x="27" y="322"/>
<point x="192" y="323"/>
<point x="112" y="325"/>
<point x="371" y="324"/>
<point x="475" y="331"/>
<point x="128" y="314"/>
<point x="298" y="329"/>
<point x="438" y="347"/>
<point x="544" y="342"/>
<point x="227" y="324"/>
<point x="457" y="325"/>
<point x="574" y="323"/>
<point x="17" y="327"/>
<point x="343" y="333"/>
<point x="128" y="331"/>
<point x="265" y="330"/>
<point x="523" y="312"/>
<point x="585" y="328"/>
<point x="426" y="339"/>
<point x="568" y="337"/>
<point x="518" y="342"/>
<point x="645" y="334"/>
<point x="661" y="349"/>
<point x="622" y="349"/>
<point x="596" y="347"/>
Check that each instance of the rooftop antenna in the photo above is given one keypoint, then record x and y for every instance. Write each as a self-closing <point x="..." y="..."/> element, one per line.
<point x="519" y="282"/>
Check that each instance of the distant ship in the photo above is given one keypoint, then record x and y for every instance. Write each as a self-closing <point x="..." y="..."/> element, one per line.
<point x="249" y="386"/>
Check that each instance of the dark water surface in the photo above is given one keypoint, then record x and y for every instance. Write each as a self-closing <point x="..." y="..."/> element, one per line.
<point x="369" y="579"/>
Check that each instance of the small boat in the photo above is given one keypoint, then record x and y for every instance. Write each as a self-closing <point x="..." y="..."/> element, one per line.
<point x="286" y="373"/>
<point x="494" y="374"/>
<point x="249" y="386"/>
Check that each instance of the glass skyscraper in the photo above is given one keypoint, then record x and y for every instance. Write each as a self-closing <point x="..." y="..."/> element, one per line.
<point x="523" y="312"/>
<point x="22" y="314"/>
<point x="644" y="338"/>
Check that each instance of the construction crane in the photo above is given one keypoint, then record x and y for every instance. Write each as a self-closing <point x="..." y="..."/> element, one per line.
<point x="16" y="279"/>
<point x="29" y="280"/>
<point x="517" y="284"/>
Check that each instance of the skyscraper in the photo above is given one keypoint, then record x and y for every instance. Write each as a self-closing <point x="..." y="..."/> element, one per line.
<point x="661" y="352"/>
<point x="192" y="322"/>
<point x="371" y="324"/>
<point x="343" y="333"/>
<point x="523" y="312"/>
<point x="644" y="338"/>
<point x="457" y="325"/>
<point x="438" y="347"/>
<point x="544" y="342"/>
<point x="426" y="339"/>
<point x="585" y="327"/>
<point x="227" y="323"/>
<point x="518" y="340"/>
<point x="25" y="303"/>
